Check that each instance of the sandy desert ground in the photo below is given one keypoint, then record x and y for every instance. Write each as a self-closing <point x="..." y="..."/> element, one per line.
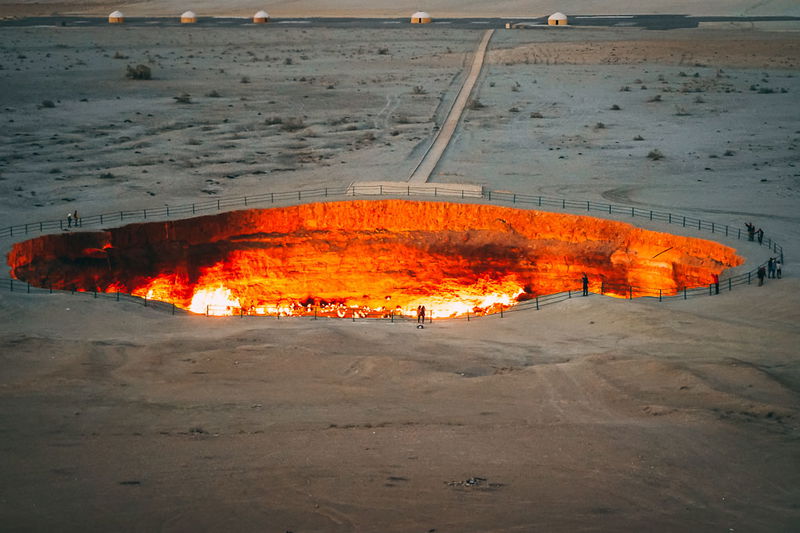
<point x="596" y="414"/>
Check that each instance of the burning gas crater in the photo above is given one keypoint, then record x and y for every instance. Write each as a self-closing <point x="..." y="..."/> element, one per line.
<point x="362" y="258"/>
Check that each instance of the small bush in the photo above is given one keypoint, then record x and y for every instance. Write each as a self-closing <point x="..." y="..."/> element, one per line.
<point x="245" y="79"/>
<point x="615" y="107"/>
<point x="655" y="155"/>
<point x="383" y="51"/>
<point x="638" y="138"/>
<point x="293" y="124"/>
<point x="288" y="61"/>
<point x="213" y="94"/>
<point x="118" y="55"/>
<point x="271" y="121"/>
<point x="681" y="111"/>
<point x="419" y="89"/>
<point x="699" y="100"/>
<point x="514" y="110"/>
<point x="139" y="72"/>
<point x="48" y="104"/>
<point x="729" y="153"/>
<point x="536" y="114"/>
<point x="107" y="176"/>
<point x="656" y="98"/>
<point x="624" y="89"/>
<point x="599" y="126"/>
<point x="183" y="98"/>
<point x="475" y="104"/>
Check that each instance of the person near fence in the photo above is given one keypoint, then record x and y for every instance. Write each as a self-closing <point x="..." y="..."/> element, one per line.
<point x="715" y="279"/>
<point x="762" y="273"/>
<point x="751" y="231"/>
<point x="420" y="314"/>
<point x="771" y="267"/>
<point x="69" y="220"/>
<point x="75" y="217"/>
<point x="778" y="266"/>
<point x="760" y="234"/>
<point x="585" y="283"/>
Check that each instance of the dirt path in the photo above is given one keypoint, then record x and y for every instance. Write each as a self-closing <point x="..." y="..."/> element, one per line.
<point x="423" y="171"/>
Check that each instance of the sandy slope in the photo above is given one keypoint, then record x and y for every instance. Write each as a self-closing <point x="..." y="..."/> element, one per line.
<point x="594" y="414"/>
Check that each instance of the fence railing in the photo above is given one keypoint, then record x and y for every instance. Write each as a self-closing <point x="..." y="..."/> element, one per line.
<point x="354" y="314"/>
<point x="447" y="192"/>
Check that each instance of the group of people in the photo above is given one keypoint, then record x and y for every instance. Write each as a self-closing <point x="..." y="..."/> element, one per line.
<point x="752" y="233"/>
<point x="774" y="269"/>
<point x="73" y="217"/>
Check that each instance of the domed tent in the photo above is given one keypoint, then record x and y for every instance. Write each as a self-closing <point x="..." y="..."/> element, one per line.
<point x="116" y="17"/>
<point x="188" y="18"/>
<point x="557" y="19"/>
<point x="261" y="17"/>
<point x="420" y="17"/>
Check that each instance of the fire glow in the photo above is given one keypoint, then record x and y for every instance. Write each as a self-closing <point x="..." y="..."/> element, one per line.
<point x="360" y="258"/>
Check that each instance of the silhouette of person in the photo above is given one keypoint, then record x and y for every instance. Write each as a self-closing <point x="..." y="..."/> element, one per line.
<point x="421" y="314"/>
<point x="778" y="266"/>
<point x="715" y="277"/>
<point x="762" y="273"/>
<point x="585" y="282"/>
<point x="69" y="220"/>
<point x="760" y="234"/>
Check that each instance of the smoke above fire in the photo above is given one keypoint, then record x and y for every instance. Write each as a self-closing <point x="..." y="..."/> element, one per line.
<point x="360" y="257"/>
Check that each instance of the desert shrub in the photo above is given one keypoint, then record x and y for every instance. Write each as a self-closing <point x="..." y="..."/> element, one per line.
<point x="475" y="104"/>
<point x="729" y="153"/>
<point x="107" y="176"/>
<point x="656" y="98"/>
<point x="47" y="104"/>
<point x="615" y="107"/>
<point x="402" y="118"/>
<point x="183" y="98"/>
<point x="419" y="89"/>
<point x="638" y="138"/>
<point x="515" y="87"/>
<point x="213" y="94"/>
<point x="139" y="72"/>
<point x="765" y="90"/>
<point x="681" y="111"/>
<point x="536" y="114"/>
<point x="655" y="155"/>
<point x="624" y="89"/>
<point x="288" y="61"/>
<point x="271" y="121"/>
<point x="382" y="51"/>
<point x="293" y="124"/>
<point x="245" y="79"/>
<point x="514" y="109"/>
<point x="600" y="126"/>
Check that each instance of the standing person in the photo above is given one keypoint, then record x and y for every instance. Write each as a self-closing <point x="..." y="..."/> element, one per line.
<point x="75" y="217"/>
<point x="69" y="220"/>
<point x="762" y="273"/>
<point x="760" y="234"/>
<point x="751" y="230"/>
<point x="715" y="277"/>
<point x="420" y="314"/>
<point x="585" y="282"/>
<point x="771" y="267"/>
<point x="778" y="266"/>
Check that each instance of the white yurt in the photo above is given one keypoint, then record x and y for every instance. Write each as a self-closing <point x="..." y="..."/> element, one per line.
<point x="188" y="18"/>
<point x="116" y="17"/>
<point x="420" y="17"/>
<point x="557" y="19"/>
<point x="261" y="17"/>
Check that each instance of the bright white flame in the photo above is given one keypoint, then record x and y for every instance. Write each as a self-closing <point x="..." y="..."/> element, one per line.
<point x="216" y="302"/>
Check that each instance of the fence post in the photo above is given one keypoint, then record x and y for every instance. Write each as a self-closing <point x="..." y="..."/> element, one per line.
<point x="730" y="284"/>
<point x="710" y="289"/>
<point x="501" y="311"/>
<point x="563" y="203"/>
<point x="206" y="309"/>
<point x="684" y="221"/>
<point x="630" y="292"/>
<point x="659" y="295"/>
<point x="609" y="209"/>
<point x="651" y="214"/>
<point x="684" y="293"/>
<point x="712" y="227"/>
<point x="173" y="308"/>
<point x="537" y="303"/>
<point x="540" y="201"/>
<point x="588" y="205"/>
<point x="29" y="288"/>
<point x="748" y="278"/>
<point x="121" y="216"/>
<point x="145" y="300"/>
<point x="51" y="290"/>
<point x="245" y="201"/>
<point x="467" y="316"/>
<point x="11" y="285"/>
<point x="633" y="211"/>
<point x="569" y="293"/>
<point x="602" y="286"/>
<point x="193" y="209"/>
<point x="669" y="217"/>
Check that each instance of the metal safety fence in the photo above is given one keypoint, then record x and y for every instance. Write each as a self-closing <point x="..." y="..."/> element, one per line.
<point x="444" y="192"/>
